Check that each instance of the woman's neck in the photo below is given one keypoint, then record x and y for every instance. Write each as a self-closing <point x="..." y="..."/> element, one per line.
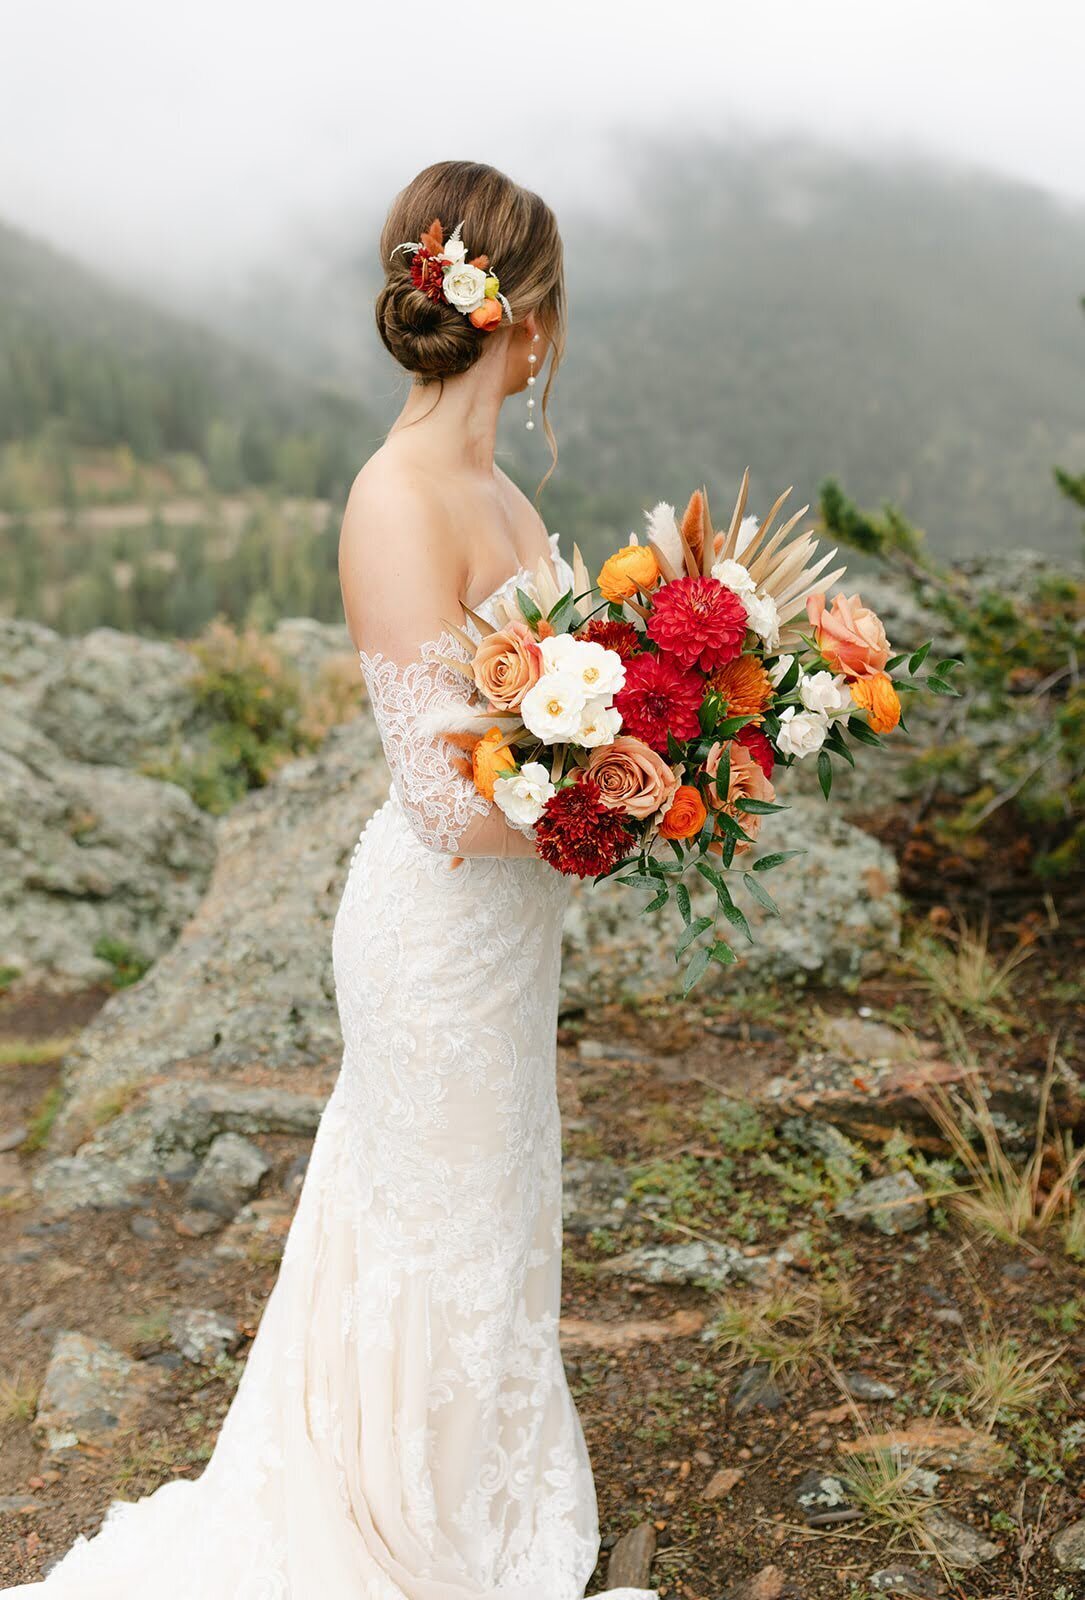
<point x="458" y="416"/>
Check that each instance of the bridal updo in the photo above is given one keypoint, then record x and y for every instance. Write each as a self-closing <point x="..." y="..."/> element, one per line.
<point x="509" y="224"/>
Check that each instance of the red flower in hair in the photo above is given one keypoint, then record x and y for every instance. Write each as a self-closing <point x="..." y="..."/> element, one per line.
<point x="578" y="834"/>
<point x="621" y="637"/>
<point x="759" y="747"/>
<point x="659" y="698"/>
<point x="427" y="274"/>
<point x="698" y="621"/>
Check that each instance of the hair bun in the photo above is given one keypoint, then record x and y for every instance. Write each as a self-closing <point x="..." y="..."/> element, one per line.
<point x="428" y="338"/>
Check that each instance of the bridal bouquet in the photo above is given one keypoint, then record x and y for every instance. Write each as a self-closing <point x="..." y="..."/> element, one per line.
<point x="639" y="723"/>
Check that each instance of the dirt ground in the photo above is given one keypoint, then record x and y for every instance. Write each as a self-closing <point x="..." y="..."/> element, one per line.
<point x="677" y="1096"/>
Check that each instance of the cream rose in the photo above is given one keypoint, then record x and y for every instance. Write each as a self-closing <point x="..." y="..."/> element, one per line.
<point x="599" y="725"/>
<point x="801" y="732"/>
<point x="552" y="708"/>
<point x="523" y="797"/>
<point x="506" y="665"/>
<point x="821" y="691"/>
<point x="465" y="286"/>
<point x="734" y="576"/>
<point x="632" y="778"/>
<point x="763" y="617"/>
<point x="601" y="671"/>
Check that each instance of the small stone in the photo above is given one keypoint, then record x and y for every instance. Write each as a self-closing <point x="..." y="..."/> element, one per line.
<point x="956" y="1542"/>
<point x="1068" y="1548"/>
<point x="631" y="1558"/>
<point x="697" y="1262"/>
<point x="12" y="1138"/>
<point x="37" y="1317"/>
<point x="202" y="1336"/>
<point x="1015" y="1271"/>
<point x="21" y="1503"/>
<point x="194" y="1224"/>
<point x="723" y="1482"/>
<point x="229" y="1174"/>
<point x="908" y="1581"/>
<point x="756" y="1389"/>
<point x="145" y="1228"/>
<point x="948" y="1446"/>
<point x="823" y="1500"/>
<point x="863" y="1387"/>
<point x="295" y="1175"/>
<point x="947" y="1317"/>
<point x="771" y="1583"/>
<point x="895" y="1204"/>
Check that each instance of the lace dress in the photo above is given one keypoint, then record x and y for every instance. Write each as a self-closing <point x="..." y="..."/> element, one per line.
<point x="403" y="1429"/>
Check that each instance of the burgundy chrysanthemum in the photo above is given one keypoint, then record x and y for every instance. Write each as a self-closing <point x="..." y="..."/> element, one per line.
<point x="621" y="637"/>
<point x="758" y="745"/>
<point x="660" y="697"/>
<point x="698" y="621"/>
<point x="427" y="274"/>
<point x="578" y="834"/>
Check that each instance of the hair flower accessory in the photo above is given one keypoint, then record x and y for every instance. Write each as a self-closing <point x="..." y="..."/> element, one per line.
<point x="440" y="268"/>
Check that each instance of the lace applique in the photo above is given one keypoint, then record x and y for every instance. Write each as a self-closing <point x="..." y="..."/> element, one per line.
<point x="439" y="801"/>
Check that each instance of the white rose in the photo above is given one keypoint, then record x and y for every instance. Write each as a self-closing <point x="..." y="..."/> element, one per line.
<point x="821" y="691"/>
<point x="523" y="797"/>
<point x="601" y="671"/>
<point x="763" y="618"/>
<point x="733" y="575"/>
<point x="552" y="708"/>
<point x="779" y="670"/>
<point x="465" y="286"/>
<point x="801" y="732"/>
<point x="599" y="724"/>
<point x="454" y="250"/>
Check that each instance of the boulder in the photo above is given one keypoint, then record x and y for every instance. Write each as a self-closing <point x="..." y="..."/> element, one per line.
<point x="1068" y="1547"/>
<point x="90" y="1395"/>
<point x="229" y="1174"/>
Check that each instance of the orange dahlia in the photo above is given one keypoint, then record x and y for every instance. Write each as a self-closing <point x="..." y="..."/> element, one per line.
<point x="744" y="685"/>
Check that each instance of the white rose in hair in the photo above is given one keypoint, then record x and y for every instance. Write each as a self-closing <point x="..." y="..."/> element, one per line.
<point x="523" y="797"/>
<point x="801" y="732"/>
<point x="552" y="708"/>
<point x="821" y="691"/>
<point x="601" y="671"/>
<point x="454" y="250"/>
<point x="465" y="286"/>
<point x="599" y="724"/>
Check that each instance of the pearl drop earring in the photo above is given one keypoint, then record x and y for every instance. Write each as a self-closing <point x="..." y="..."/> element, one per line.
<point x="532" y="359"/>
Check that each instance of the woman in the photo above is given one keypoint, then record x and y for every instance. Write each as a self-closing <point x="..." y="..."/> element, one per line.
<point x="403" y="1429"/>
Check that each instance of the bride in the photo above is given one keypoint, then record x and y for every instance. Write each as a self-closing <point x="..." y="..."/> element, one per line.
<point x="403" y="1429"/>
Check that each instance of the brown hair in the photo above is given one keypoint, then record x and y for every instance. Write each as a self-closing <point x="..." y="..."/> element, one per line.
<point x="514" y="228"/>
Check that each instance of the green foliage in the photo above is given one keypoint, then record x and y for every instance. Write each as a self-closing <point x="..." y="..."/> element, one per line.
<point x="128" y="965"/>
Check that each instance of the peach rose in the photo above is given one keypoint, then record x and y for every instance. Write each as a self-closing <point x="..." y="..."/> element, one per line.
<point x="632" y="777"/>
<point x="489" y="759"/>
<point x="487" y="315"/>
<point x="627" y="570"/>
<point x="746" y="781"/>
<point x="507" y="664"/>
<point x="879" y="699"/>
<point x="849" y="635"/>
<point x="686" y="815"/>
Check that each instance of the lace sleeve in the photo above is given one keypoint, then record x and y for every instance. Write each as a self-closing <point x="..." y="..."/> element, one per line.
<point x="442" y="806"/>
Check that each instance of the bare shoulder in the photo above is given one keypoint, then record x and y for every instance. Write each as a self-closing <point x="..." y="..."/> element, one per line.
<point x="530" y="525"/>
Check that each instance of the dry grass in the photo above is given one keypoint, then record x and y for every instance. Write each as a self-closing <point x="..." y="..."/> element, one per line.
<point x="787" y="1330"/>
<point x="18" y="1052"/>
<point x="18" y="1399"/>
<point x="964" y="975"/>
<point x="1000" y="1382"/>
<point x="891" y="1493"/>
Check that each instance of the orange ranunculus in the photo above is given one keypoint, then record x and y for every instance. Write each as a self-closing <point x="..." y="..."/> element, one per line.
<point x="487" y="315"/>
<point x="850" y="636"/>
<point x="627" y="570"/>
<point x="686" y="815"/>
<point x="745" y="781"/>
<point x="879" y="699"/>
<point x="745" y="686"/>
<point x="490" y="757"/>
<point x="507" y="664"/>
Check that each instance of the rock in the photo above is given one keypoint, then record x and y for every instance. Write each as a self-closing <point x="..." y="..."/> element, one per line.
<point x="823" y="1499"/>
<point x="771" y="1583"/>
<point x="145" y="1228"/>
<point x="863" y="1387"/>
<point x="12" y="1138"/>
<point x="170" y="1126"/>
<point x="37" y="1317"/>
<point x="630" y="1562"/>
<point x="1068" y="1548"/>
<point x="633" y="1331"/>
<point x="195" y="1224"/>
<point x="14" y="1182"/>
<point x="723" y="1482"/>
<point x="957" y="1543"/>
<point x="934" y="1444"/>
<point x="90" y="853"/>
<point x="258" y="1232"/>
<point x="203" y="1336"/>
<point x="90" y="1394"/>
<point x="698" y="1262"/>
<point x="906" y="1580"/>
<point x="310" y="648"/>
<point x="755" y="1390"/>
<point x="595" y="1196"/>
<point x="894" y="1204"/>
<point x="21" y="1504"/>
<point x="229" y="1174"/>
<point x="840" y="917"/>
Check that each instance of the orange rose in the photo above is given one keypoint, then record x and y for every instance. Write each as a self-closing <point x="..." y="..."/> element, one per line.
<point x="507" y="664"/>
<point x="627" y="570"/>
<point x="489" y="759"/>
<point x="745" y="781"/>
<point x="487" y="315"/>
<point x="686" y="815"/>
<point x="631" y="777"/>
<point x="849" y="635"/>
<point x="879" y="699"/>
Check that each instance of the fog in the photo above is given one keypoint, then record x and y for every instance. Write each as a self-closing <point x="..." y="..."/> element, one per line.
<point x="185" y="145"/>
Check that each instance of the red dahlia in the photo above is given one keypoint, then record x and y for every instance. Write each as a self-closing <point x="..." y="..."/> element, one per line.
<point x="621" y="637"/>
<point x="698" y="621"/>
<point x="578" y="834"/>
<point x="759" y="747"/>
<point x="659" y="697"/>
<point x="427" y="274"/>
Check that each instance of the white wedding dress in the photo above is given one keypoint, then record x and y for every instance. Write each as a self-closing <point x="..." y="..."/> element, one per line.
<point x="403" y="1429"/>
